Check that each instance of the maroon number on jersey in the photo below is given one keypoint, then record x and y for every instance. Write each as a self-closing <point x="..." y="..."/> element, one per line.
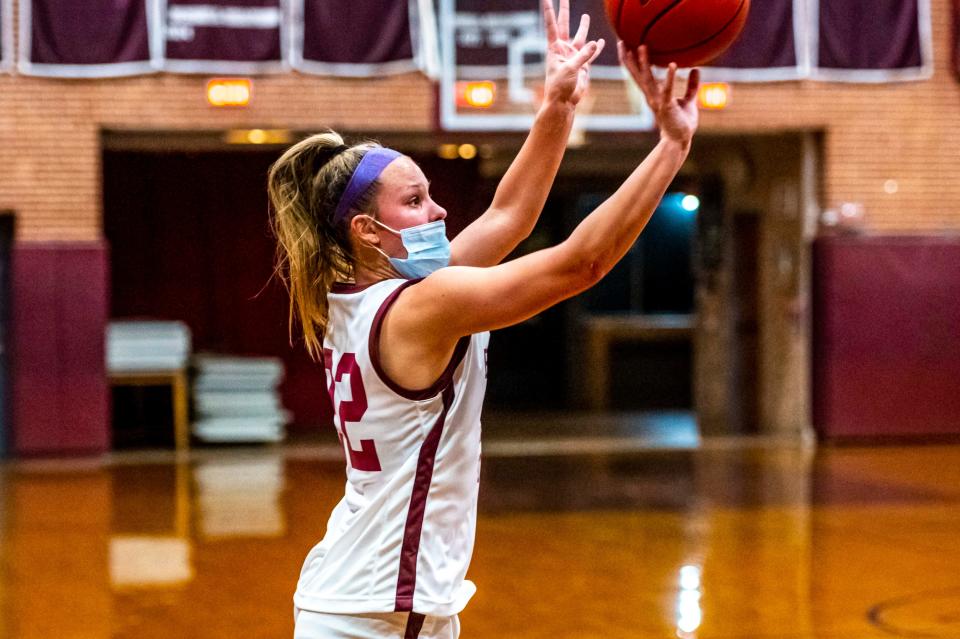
<point x="351" y="410"/>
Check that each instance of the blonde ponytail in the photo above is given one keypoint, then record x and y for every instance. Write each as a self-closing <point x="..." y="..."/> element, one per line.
<point x="304" y="186"/>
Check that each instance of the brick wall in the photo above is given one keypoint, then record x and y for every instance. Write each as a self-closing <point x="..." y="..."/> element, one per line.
<point x="50" y="156"/>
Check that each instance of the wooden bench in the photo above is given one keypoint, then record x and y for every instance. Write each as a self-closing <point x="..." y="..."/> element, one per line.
<point x="177" y="381"/>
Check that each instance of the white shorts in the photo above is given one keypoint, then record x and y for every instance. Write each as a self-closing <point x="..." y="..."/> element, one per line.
<point x="385" y="625"/>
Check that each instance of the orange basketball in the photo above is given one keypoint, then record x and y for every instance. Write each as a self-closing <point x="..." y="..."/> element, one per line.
<point x="688" y="32"/>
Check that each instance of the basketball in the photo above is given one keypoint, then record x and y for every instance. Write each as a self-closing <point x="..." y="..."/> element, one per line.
<point x="688" y="32"/>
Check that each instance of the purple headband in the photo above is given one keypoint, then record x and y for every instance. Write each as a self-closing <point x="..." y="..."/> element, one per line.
<point x="371" y="166"/>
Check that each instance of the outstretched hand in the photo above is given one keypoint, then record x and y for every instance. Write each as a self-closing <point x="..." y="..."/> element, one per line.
<point x="677" y="118"/>
<point x="567" y="60"/>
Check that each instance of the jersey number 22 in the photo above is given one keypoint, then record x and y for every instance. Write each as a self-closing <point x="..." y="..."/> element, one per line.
<point x="351" y="410"/>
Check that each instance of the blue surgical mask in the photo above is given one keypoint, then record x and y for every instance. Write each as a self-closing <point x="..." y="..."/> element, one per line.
<point x="428" y="249"/>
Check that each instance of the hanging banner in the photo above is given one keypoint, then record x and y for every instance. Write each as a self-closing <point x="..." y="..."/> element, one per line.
<point x="362" y="38"/>
<point x="871" y="40"/>
<point x="89" y="39"/>
<point x="850" y="40"/>
<point x="6" y="35"/>
<point x="772" y="46"/>
<point x="842" y="40"/>
<point x="956" y="38"/>
<point x="225" y="36"/>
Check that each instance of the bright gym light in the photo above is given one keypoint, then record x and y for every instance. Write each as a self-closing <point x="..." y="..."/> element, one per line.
<point x="479" y="95"/>
<point x="690" y="203"/>
<point x="229" y="92"/>
<point x="714" y="95"/>
<point x="467" y="151"/>
<point x="258" y="136"/>
<point x="448" y="151"/>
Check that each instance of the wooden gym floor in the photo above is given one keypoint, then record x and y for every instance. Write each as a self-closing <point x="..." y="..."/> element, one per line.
<point x="720" y="539"/>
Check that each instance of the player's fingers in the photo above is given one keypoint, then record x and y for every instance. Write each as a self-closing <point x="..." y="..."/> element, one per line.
<point x="648" y="82"/>
<point x="581" y="37"/>
<point x="627" y="60"/>
<point x="563" y="20"/>
<point x="693" y="85"/>
<point x="549" y="21"/>
<point x="630" y="63"/>
<point x="643" y="61"/>
<point x="668" y="84"/>
<point x="584" y="55"/>
<point x="624" y="60"/>
<point x="600" y="44"/>
<point x="643" y="57"/>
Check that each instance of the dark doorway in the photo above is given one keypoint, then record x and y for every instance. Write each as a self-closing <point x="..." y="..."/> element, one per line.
<point x="189" y="241"/>
<point x="535" y="362"/>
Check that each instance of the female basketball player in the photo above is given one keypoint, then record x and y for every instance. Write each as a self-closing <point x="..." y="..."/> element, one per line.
<point x="400" y="318"/>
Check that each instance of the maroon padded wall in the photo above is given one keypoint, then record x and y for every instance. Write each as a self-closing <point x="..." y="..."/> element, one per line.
<point x="886" y="351"/>
<point x="60" y="394"/>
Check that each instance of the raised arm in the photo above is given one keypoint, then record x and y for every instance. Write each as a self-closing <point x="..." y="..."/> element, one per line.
<point x="430" y="316"/>
<point x="523" y="190"/>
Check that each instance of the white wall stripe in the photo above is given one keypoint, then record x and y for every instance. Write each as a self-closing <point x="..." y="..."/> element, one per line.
<point x="801" y="33"/>
<point x="6" y="32"/>
<point x="424" y="31"/>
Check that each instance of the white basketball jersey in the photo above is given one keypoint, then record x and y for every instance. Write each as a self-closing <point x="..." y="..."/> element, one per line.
<point x="402" y="536"/>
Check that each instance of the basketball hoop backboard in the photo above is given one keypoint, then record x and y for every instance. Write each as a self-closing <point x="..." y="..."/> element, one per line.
<point x="501" y="43"/>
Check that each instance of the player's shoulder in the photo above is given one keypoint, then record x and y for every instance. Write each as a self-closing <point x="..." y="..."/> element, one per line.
<point x="435" y="307"/>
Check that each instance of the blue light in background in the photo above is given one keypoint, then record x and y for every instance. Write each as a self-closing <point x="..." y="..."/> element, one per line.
<point x="680" y="204"/>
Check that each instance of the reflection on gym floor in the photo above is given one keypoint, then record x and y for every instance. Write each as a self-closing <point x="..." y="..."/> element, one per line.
<point x="751" y="540"/>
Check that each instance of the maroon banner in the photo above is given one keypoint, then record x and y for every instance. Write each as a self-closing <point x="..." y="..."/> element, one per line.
<point x="956" y="37"/>
<point x="872" y="40"/>
<point x="224" y="36"/>
<point x="767" y="49"/>
<point x="93" y="38"/>
<point x="360" y="37"/>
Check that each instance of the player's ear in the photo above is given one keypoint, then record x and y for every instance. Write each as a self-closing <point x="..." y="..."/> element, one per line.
<point x="364" y="229"/>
